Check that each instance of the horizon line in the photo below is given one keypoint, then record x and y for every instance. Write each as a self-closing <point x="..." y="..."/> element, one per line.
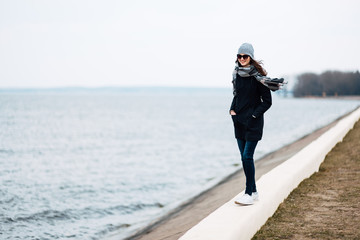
<point x="108" y="88"/>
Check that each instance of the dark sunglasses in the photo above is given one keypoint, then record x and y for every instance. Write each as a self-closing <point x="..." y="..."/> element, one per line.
<point x="242" y="56"/>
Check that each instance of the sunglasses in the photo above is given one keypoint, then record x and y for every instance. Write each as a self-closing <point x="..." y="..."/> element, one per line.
<point x="242" y="56"/>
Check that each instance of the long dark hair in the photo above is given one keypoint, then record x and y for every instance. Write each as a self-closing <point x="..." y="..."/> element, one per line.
<point x="257" y="65"/>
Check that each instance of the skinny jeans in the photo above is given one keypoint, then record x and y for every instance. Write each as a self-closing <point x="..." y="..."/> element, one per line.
<point x="247" y="149"/>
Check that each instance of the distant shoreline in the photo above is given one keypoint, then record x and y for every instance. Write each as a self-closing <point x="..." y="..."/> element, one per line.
<point x="345" y="97"/>
<point x="110" y="88"/>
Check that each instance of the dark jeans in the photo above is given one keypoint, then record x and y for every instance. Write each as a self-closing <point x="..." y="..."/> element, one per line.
<point x="247" y="149"/>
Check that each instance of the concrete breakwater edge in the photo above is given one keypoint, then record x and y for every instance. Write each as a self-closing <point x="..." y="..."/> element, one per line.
<point x="232" y="222"/>
<point x="178" y="221"/>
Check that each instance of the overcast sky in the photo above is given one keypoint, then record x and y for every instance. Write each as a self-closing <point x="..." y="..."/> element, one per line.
<point x="53" y="43"/>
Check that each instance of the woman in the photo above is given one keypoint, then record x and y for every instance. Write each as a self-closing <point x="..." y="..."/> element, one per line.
<point x="252" y="98"/>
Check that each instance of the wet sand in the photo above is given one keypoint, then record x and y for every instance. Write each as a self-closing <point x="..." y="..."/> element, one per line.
<point x="181" y="219"/>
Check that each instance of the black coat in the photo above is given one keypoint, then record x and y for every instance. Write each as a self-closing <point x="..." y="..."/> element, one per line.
<point x="250" y="102"/>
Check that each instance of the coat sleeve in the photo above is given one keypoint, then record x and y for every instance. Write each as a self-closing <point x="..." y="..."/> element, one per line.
<point x="266" y="101"/>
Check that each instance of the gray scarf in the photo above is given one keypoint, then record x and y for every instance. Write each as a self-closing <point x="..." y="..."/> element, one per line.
<point x="273" y="84"/>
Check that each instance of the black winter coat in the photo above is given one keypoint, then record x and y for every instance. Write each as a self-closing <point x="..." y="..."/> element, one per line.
<point x="250" y="102"/>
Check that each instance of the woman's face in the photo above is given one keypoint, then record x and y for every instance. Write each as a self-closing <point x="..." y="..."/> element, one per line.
<point x="244" y="60"/>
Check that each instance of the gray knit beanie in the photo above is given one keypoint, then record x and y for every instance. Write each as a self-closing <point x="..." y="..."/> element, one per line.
<point x="246" y="48"/>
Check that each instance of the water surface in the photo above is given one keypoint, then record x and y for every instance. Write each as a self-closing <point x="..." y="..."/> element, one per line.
<point x="80" y="164"/>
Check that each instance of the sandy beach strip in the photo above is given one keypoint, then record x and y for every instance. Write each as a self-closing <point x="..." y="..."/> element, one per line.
<point x="177" y="222"/>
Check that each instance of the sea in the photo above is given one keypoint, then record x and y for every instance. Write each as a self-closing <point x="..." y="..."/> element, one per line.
<point x="84" y="163"/>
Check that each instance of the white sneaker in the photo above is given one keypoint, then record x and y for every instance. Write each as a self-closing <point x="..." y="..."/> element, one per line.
<point x="255" y="196"/>
<point x="245" y="199"/>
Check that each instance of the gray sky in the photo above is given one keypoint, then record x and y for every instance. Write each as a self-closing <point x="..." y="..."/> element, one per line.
<point x="53" y="43"/>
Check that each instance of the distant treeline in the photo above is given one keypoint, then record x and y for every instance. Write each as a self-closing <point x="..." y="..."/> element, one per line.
<point x="329" y="83"/>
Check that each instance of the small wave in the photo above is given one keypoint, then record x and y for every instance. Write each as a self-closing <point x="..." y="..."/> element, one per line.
<point x="9" y="198"/>
<point x="135" y="207"/>
<point x="8" y="151"/>
<point x="112" y="228"/>
<point x="85" y="213"/>
<point x="44" y="215"/>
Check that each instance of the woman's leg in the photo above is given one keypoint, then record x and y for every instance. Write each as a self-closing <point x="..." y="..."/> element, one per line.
<point x="247" y="149"/>
<point x="241" y="145"/>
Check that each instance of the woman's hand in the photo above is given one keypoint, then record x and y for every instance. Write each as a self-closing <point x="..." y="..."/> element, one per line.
<point x="232" y="112"/>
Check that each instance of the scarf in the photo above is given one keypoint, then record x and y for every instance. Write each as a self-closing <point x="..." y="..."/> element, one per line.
<point x="273" y="84"/>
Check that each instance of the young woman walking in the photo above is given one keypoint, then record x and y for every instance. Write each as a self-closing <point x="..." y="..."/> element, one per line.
<point x="252" y="98"/>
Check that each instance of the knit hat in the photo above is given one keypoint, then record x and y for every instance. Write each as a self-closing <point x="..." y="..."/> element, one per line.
<point x="246" y="48"/>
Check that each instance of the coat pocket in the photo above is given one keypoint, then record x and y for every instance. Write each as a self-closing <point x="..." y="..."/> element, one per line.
<point x="238" y="119"/>
<point x="241" y="119"/>
<point x="233" y="117"/>
<point x="238" y="122"/>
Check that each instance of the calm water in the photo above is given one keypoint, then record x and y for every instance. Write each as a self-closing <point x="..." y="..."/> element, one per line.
<point x="78" y="165"/>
